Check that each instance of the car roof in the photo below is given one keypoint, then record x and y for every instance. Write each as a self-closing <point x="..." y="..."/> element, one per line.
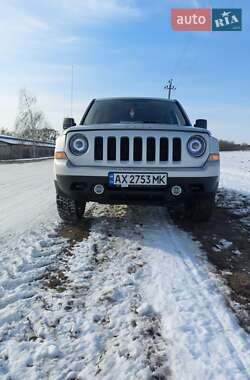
<point x="136" y="98"/>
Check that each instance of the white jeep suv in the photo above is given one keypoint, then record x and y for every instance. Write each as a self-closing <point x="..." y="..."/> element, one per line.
<point x="136" y="150"/>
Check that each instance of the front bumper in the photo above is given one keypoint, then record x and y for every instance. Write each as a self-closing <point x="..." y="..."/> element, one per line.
<point x="82" y="188"/>
<point x="78" y="183"/>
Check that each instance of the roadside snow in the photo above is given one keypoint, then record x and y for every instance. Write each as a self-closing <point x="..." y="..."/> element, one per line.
<point x="235" y="171"/>
<point x="25" y="160"/>
<point x="26" y="196"/>
<point x="222" y="245"/>
<point x="205" y="339"/>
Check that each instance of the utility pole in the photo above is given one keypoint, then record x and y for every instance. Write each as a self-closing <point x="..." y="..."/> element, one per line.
<point x="170" y="87"/>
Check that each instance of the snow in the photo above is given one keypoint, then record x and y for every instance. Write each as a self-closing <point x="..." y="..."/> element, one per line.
<point x="24" y="160"/>
<point x="27" y="196"/>
<point x="133" y="298"/>
<point x="222" y="245"/>
<point x="206" y="342"/>
<point x="235" y="171"/>
<point x="235" y="184"/>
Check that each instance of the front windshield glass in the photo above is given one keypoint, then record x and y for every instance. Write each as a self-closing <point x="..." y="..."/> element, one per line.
<point x="135" y="111"/>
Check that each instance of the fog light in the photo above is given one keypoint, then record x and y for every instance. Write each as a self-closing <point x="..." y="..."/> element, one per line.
<point x="99" y="189"/>
<point x="176" y="190"/>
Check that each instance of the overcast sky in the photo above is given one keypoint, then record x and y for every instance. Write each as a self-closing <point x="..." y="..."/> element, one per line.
<point x="123" y="48"/>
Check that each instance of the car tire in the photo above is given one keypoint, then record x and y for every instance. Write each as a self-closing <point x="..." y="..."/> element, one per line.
<point x="200" y="210"/>
<point x="69" y="210"/>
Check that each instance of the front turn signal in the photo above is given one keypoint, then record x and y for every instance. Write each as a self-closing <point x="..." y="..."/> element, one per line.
<point x="214" y="157"/>
<point x="60" y="156"/>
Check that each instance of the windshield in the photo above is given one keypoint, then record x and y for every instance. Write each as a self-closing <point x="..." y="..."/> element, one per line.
<point x="135" y="111"/>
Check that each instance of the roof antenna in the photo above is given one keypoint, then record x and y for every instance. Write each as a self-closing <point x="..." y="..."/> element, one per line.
<point x="72" y="91"/>
<point x="170" y="87"/>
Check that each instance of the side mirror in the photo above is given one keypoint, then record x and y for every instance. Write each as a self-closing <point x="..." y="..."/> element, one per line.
<point x="68" y="122"/>
<point x="201" y="123"/>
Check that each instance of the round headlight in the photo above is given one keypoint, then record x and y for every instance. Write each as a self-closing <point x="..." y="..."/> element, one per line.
<point x="78" y="144"/>
<point x="196" y="146"/>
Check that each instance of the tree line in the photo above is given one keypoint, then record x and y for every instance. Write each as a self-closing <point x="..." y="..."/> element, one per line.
<point x="230" y="146"/>
<point x="30" y="121"/>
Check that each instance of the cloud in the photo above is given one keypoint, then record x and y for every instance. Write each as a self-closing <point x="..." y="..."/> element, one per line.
<point x="30" y="27"/>
<point x="33" y="23"/>
<point x="18" y="28"/>
<point x="16" y="20"/>
<point x="93" y="10"/>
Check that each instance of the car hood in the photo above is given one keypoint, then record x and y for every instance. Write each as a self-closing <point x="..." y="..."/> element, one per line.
<point x="136" y="126"/>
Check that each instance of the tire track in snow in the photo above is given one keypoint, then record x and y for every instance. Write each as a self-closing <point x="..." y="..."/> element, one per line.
<point x="130" y="331"/>
<point x="134" y="291"/>
<point x="213" y="332"/>
<point x="86" y="310"/>
<point x="27" y="262"/>
<point x="196" y="277"/>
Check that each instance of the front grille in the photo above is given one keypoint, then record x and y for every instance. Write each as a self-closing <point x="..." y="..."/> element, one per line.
<point x="111" y="152"/>
<point x="138" y="149"/>
<point x="176" y="149"/>
<point x="163" y="149"/>
<point x="150" y="149"/>
<point x="98" y="148"/>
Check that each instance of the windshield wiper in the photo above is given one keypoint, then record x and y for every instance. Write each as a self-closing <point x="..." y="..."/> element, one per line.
<point x="138" y="122"/>
<point x="131" y="122"/>
<point x="150" y="122"/>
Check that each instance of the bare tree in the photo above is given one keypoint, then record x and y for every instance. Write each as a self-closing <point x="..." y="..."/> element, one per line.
<point x="30" y="122"/>
<point x="29" y="117"/>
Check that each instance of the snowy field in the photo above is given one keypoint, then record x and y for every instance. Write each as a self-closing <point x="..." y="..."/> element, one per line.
<point x="235" y="171"/>
<point x="126" y="295"/>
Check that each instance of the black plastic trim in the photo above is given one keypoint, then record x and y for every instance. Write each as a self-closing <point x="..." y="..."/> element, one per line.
<point x="81" y="188"/>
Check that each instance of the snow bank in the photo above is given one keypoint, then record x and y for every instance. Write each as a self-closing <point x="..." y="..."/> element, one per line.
<point x="235" y="171"/>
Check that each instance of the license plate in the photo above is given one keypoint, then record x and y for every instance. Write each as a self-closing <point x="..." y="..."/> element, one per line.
<point x="137" y="179"/>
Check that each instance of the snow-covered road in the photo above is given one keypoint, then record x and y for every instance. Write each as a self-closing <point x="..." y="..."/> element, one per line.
<point x="26" y="196"/>
<point x="126" y="295"/>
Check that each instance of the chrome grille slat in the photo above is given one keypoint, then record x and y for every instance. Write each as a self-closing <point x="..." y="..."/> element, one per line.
<point x="131" y="150"/>
<point x="105" y="156"/>
<point x="170" y="149"/>
<point x="157" y="151"/>
<point x="144" y="149"/>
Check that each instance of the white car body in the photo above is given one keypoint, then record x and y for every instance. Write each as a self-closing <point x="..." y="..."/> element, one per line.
<point x="76" y="175"/>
